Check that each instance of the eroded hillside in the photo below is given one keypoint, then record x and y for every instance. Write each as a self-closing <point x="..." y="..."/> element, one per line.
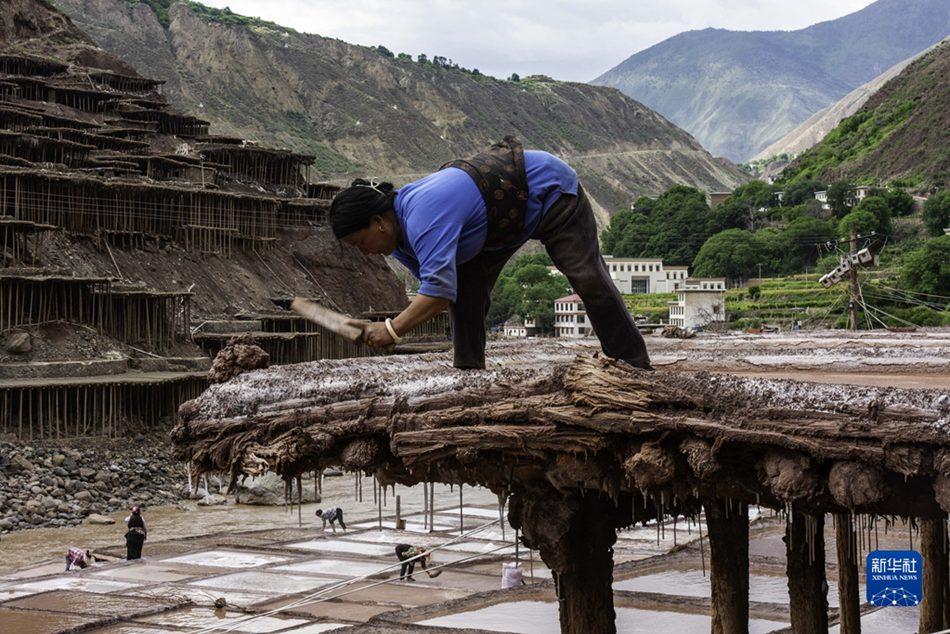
<point x="362" y="112"/>
<point x="901" y="133"/>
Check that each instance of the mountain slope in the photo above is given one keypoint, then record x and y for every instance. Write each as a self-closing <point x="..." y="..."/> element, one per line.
<point x="737" y="92"/>
<point x="825" y="120"/>
<point x="901" y="133"/>
<point x="362" y="112"/>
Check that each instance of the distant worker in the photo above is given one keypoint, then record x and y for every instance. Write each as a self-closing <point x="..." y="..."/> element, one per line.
<point x="77" y="557"/>
<point x="136" y="534"/>
<point x="409" y="555"/>
<point x="332" y="516"/>
<point x="456" y="228"/>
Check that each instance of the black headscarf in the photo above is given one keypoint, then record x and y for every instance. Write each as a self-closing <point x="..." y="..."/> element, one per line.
<point x="353" y="207"/>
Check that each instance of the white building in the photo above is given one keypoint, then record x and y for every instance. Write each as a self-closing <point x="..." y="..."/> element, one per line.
<point x="699" y="302"/>
<point x="570" y="318"/>
<point x="518" y="327"/>
<point x="644" y="275"/>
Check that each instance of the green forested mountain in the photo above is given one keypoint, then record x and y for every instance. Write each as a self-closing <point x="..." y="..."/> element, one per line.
<point x="365" y="111"/>
<point x="737" y="92"/>
<point x="900" y="136"/>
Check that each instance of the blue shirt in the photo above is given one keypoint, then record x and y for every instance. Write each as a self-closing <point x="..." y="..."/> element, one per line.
<point x="444" y="222"/>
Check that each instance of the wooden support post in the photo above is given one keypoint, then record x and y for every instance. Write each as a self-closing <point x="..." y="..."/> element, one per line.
<point x="805" y="569"/>
<point x="932" y="541"/>
<point x="728" y="523"/>
<point x="848" y="591"/>
<point x="575" y="535"/>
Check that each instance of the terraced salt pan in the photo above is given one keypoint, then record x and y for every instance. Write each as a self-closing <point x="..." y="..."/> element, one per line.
<point x="479" y="547"/>
<point x="133" y="629"/>
<point x="200" y="596"/>
<point x="265" y="583"/>
<point x="411" y="526"/>
<point x="386" y="536"/>
<point x="341" y="567"/>
<point x="84" y="583"/>
<point x="692" y="583"/>
<point x="12" y="593"/>
<point x="199" y="618"/>
<point x="343" y="546"/>
<point x="477" y="511"/>
<point x="887" y="621"/>
<point x="226" y="559"/>
<point x="315" y="628"/>
<point x="149" y="574"/>
<point x="541" y="617"/>
<point x="392" y="537"/>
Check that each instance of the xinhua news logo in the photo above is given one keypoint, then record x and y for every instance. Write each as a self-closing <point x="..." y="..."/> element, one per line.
<point x="894" y="578"/>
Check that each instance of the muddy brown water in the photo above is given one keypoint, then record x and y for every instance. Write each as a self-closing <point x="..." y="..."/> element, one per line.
<point x="169" y="523"/>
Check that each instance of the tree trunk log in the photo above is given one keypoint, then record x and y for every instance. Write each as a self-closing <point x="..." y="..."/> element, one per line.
<point x="932" y="542"/>
<point x="575" y="535"/>
<point x="848" y="591"/>
<point x="728" y="523"/>
<point x="807" y="587"/>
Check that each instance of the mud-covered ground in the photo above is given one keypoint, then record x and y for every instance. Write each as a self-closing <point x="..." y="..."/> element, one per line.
<point x="911" y="369"/>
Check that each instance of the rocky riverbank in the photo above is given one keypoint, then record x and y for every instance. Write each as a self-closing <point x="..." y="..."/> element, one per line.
<point x="64" y="483"/>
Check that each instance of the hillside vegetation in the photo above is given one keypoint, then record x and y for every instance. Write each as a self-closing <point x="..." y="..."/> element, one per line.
<point x="371" y="112"/>
<point x="901" y="135"/>
<point x="737" y="92"/>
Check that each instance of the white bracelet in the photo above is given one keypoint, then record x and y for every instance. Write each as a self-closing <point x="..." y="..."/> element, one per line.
<point x="391" y="330"/>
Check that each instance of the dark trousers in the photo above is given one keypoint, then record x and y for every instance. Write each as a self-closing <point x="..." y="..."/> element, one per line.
<point x="133" y="545"/>
<point x="569" y="235"/>
<point x="408" y="566"/>
<point x="338" y="518"/>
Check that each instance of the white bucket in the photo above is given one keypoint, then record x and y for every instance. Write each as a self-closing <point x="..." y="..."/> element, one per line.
<point x="510" y="575"/>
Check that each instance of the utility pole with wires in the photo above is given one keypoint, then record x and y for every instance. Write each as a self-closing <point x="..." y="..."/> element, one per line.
<point x="850" y="261"/>
<point x="855" y="291"/>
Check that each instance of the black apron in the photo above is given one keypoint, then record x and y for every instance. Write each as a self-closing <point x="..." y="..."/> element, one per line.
<point x="500" y="176"/>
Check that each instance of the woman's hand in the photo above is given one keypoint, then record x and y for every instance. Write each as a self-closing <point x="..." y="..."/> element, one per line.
<point x="375" y="335"/>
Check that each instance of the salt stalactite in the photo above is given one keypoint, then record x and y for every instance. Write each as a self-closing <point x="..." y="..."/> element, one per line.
<point x="300" y="501"/>
<point x="425" y="505"/>
<point x="377" y="500"/>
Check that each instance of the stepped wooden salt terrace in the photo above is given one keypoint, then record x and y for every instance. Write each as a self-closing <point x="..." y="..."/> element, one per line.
<point x="582" y="446"/>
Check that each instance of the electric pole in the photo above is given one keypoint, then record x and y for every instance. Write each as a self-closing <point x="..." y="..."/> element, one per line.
<point x="854" y="279"/>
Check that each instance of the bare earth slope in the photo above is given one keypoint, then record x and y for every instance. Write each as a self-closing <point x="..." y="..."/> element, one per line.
<point x="364" y="113"/>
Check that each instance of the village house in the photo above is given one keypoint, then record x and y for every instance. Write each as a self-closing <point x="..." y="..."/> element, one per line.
<point x="518" y="327"/>
<point x="570" y="317"/>
<point x="633" y="276"/>
<point x="700" y="301"/>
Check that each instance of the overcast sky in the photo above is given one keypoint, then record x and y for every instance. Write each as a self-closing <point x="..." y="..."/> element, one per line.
<point x="573" y="40"/>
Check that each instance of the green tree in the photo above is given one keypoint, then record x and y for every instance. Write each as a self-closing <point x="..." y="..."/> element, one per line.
<point x="514" y="77"/>
<point x="927" y="269"/>
<point x="526" y="287"/>
<point x="538" y="301"/>
<point x="797" y="245"/>
<point x="673" y="227"/>
<point x="612" y="235"/>
<point x="936" y="213"/>
<point x="532" y="274"/>
<point x="742" y="208"/>
<point x="803" y="191"/>
<point x="734" y="253"/>
<point x="864" y="222"/>
<point x="878" y="206"/>
<point x="900" y="202"/>
<point x="505" y="300"/>
<point x="839" y="197"/>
